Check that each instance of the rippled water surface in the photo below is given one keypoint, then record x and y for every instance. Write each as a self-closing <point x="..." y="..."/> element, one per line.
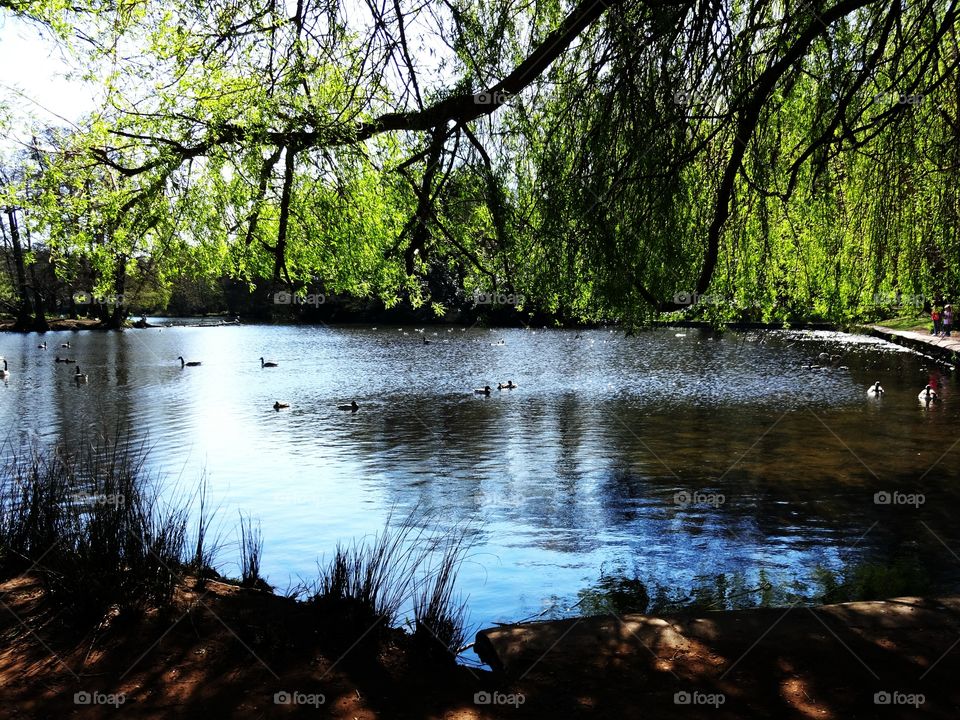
<point x="578" y="468"/>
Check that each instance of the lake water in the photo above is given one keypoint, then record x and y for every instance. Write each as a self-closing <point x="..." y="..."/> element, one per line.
<point x="577" y="470"/>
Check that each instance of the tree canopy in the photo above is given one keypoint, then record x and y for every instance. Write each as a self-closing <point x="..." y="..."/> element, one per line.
<point x="755" y="158"/>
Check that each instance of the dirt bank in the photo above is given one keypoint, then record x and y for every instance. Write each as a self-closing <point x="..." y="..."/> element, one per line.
<point x="230" y="652"/>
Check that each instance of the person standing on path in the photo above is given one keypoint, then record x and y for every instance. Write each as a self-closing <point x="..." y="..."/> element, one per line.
<point x="935" y="316"/>
<point x="947" y="320"/>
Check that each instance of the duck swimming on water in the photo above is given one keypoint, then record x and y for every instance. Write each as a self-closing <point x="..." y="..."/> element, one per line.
<point x="264" y="364"/>
<point x="485" y="390"/>
<point x="183" y="363"/>
<point x="875" y="390"/>
<point x="79" y="376"/>
<point x="352" y="407"/>
<point x="509" y="385"/>
<point x="928" y="395"/>
<point x="279" y="405"/>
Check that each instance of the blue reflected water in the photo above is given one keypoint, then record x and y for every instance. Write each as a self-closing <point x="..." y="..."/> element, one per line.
<point x="577" y="468"/>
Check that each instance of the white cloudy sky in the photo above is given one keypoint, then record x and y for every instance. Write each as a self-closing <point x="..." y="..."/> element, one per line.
<point x="33" y="77"/>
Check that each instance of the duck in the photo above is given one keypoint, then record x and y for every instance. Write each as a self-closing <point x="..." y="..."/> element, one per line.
<point x="482" y="391"/>
<point x="262" y="364"/>
<point x="42" y="346"/>
<point x="68" y="360"/>
<point x="353" y="407"/>
<point x="65" y="345"/>
<point x="928" y="394"/>
<point x="509" y="385"/>
<point x="59" y="359"/>
<point x="184" y="364"/>
<point x="79" y="376"/>
<point x="279" y="405"/>
<point x="875" y="390"/>
<point x="427" y="342"/>
<point x="5" y="373"/>
<point x="500" y="342"/>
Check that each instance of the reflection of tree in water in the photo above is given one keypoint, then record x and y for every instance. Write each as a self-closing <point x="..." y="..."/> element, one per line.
<point x="622" y="591"/>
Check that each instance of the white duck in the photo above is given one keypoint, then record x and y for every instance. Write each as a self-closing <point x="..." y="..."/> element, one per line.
<point x="928" y="395"/>
<point x="875" y="390"/>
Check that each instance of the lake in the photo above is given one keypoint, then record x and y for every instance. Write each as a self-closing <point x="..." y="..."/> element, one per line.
<point x="675" y="453"/>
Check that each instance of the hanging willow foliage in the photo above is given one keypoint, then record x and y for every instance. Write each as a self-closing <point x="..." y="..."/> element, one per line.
<point x="768" y="158"/>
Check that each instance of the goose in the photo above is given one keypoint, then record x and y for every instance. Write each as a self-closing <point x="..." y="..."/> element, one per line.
<point x="928" y="394"/>
<point x="42" y="346"/>
<point x="79" y="377"/>
<point x="65" y="345"/>
<point x="875" y="390"/>
<point x="184" y="364"/>
<point x="353" y="407"/>
<point x="484" y="391"/>
<point x="509" y="385"/>
<point x="262" y="364"/>
<point x="279" y="405"/>
<point x="5" y="373"/>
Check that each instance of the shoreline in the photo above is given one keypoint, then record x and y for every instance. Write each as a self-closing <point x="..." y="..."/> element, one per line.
<point x="943" y="349"/>
<point x="233" y="652"/>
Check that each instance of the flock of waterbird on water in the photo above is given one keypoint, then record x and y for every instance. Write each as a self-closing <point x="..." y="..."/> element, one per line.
<point x="80" y="377"/>
<point x="927" y="396"/>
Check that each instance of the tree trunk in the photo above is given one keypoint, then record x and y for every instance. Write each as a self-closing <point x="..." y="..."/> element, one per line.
<point x="24" y="308"/>
<point x="119" y="313"/>
<point x="40" y="323"/>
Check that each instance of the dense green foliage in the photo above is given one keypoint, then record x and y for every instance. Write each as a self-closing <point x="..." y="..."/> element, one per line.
<point x="764" y="159"/>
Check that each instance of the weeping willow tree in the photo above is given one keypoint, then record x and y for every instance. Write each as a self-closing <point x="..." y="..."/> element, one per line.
<point x="607" y="160"/>
<point x="793" y="160"/>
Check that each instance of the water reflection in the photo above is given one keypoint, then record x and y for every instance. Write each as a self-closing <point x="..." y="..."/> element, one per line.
<point x="580" y="465"/>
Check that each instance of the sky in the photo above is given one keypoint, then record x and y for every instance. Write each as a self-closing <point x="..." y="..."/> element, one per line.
<point x="33" y="80"/>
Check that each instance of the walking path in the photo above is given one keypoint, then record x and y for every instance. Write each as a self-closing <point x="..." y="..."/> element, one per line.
<point x="941" y="346"/>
